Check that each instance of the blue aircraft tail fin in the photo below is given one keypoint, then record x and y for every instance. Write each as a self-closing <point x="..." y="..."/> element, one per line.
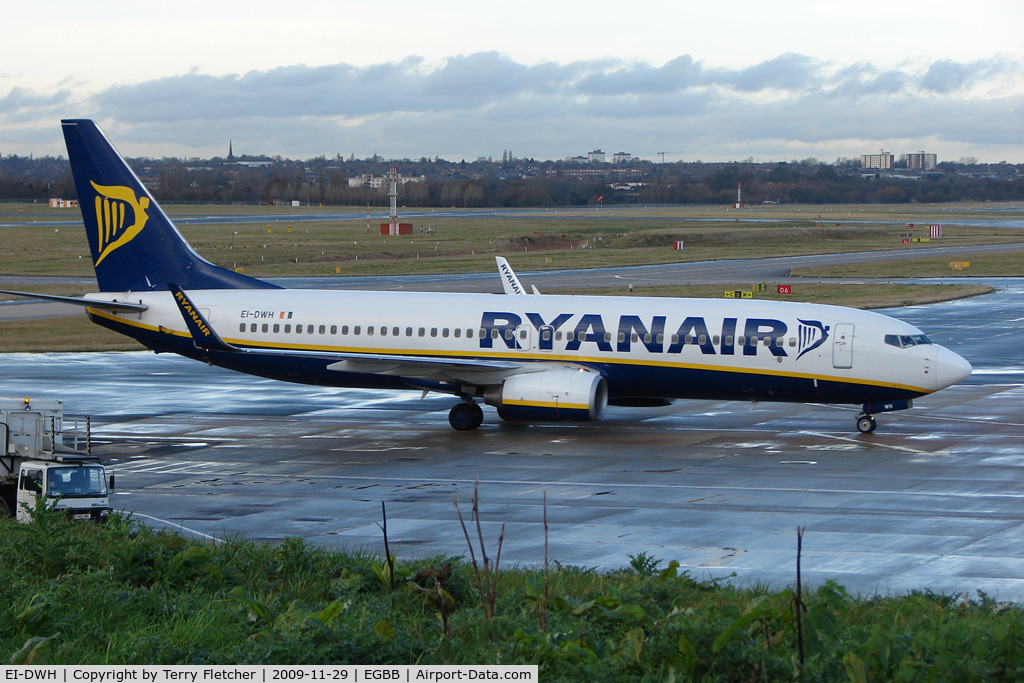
<point x="135" y="246"/>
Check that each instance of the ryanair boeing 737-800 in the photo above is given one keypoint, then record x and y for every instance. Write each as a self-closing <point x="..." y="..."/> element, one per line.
<point x="534" y="358"/>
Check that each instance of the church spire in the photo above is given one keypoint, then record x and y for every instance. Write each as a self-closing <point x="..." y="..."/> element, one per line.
<point x="231" y="153"/>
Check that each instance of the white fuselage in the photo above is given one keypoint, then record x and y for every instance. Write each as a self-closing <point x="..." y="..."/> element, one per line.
<point x="732" y="349"/>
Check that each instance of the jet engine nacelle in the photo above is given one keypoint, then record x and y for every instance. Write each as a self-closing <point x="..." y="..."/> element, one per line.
<point x="559" y="395"/>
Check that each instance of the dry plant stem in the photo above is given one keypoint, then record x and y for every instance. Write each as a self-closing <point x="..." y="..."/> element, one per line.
<point x="465" y="531"/>
<point x="444" y="610"/>
<point x="799" y="594"/>
<point x="387" y="550"/>
<point x="544" y="601"/>
<point x="493" y="580"/>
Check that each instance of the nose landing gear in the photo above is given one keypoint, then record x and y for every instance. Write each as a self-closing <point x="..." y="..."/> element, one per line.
<point x="866" y="424"/>
<point x="866" y="421"/>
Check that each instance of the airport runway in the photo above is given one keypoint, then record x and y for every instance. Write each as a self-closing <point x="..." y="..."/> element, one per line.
<point x="934" y="499"/>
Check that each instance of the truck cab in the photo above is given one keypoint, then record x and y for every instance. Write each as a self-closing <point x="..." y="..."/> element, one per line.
<point x="77" y="487"/>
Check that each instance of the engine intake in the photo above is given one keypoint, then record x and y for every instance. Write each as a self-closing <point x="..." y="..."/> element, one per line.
<point x="559" y="395"/>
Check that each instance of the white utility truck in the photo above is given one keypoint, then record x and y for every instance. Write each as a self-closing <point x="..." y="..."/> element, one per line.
<point x="44" y="453"/>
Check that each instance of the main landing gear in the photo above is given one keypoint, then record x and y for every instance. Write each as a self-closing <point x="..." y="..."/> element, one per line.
<point x="466" y="416"/>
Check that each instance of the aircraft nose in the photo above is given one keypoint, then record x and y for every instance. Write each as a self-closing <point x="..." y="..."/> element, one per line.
<point x="951" y="368"/>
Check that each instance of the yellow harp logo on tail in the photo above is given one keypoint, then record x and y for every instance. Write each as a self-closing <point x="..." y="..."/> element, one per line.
<point x="112" y="205"/>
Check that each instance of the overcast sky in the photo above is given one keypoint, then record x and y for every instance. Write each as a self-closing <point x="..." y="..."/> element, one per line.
<point x="460" y="79"/>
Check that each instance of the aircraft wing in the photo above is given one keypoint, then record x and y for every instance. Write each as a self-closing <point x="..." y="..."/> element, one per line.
<point x="467" y="371"/>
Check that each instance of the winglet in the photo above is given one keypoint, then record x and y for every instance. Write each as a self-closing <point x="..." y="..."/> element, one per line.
<point x="202" y="333"/>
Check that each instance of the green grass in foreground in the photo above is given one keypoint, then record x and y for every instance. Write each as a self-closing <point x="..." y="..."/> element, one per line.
<point x="125" y="594"/>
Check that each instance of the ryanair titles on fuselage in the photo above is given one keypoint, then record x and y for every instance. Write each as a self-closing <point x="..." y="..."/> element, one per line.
<point x="499" y="327"/>
<point x="500" y="330"/>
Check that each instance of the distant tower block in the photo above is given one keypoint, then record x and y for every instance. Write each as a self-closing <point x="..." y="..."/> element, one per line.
<point x="739" y="196"/>
<point x="393" y="227"/>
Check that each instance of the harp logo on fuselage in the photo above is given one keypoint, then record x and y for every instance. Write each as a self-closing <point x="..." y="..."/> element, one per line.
<point x="810" y="335"/>
<point x="114" y="203"/>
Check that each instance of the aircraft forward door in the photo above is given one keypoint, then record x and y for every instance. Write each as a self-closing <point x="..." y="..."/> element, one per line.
<point x="842" y="346"/>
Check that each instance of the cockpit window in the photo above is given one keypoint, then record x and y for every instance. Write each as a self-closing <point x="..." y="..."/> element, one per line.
<point x="905" y="341"/>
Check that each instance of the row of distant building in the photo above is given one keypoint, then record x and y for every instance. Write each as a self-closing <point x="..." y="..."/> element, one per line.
<point x="883" y="161"/>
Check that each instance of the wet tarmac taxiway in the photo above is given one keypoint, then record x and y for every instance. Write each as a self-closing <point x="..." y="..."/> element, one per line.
<point x="934" y="499"/>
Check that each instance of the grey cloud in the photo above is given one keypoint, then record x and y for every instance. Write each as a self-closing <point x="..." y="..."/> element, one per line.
<point x="947" y="76"/>
<point x="863" y="80"/>
<point x="21" y="104"/>
<point x="789" y="71"/>
<point x="480" y="103"/>
<point x="680" y="73"/>
<point x="481" y="74"/>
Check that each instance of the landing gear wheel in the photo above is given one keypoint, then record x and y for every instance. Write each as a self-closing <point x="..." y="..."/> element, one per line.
<point x="478" y="414"/>
<point x="866" y="424"/>
<point x="464" y="417"/>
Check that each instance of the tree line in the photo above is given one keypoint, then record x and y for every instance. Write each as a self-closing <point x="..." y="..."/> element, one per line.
<point x="527" y="183"/>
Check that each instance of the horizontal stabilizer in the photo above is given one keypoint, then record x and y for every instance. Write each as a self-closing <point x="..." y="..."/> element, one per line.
<point x="78" y="301"/>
